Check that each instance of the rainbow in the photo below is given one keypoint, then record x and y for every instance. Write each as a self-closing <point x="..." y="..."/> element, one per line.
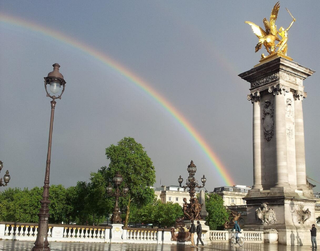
<point x="120" y="69"/>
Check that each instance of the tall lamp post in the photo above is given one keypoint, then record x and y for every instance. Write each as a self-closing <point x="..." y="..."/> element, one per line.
<point x="192" y="211"/>
<point x="191" y="183"/>
<point x="6" y="177"/>
<point x="116" y="211"/>
<point x="54" y="85"/>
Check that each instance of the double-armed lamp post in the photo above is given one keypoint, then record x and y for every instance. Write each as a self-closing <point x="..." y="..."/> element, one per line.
<point x="6" y="177"/>
<point x="192" y="183"/>
<point x="54" y="85"/>
<point x="116" y="211"/>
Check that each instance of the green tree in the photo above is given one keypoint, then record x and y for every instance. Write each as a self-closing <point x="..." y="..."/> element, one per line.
<point x="217" y="213"/>
<point x="58" y="200"/>
<point x="167" y="213"/>
<point x="157" y="213"/>
<point x="71" y="194"/>
<point x="20" y="205"/>
<point x="131" y="160"/>
<point x="34" y="203"/>
<point x="78" y="201"/>
<point x="96" y="203"/>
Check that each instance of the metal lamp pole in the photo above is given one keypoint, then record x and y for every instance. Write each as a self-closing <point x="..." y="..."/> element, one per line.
<point x="117" y="180"/>
<point x="54" y="85"/>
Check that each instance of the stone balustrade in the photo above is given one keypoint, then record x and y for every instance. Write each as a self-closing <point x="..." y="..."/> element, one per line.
<point x="77" y="233"/>
<point x="215" y="236"/>
<point x="141" y="235"/>
<point x="74" y="233"/>
<point x="253" y="236"/>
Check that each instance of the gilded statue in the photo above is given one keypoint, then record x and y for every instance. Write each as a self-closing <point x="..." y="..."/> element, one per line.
<point x="270" y="35"/>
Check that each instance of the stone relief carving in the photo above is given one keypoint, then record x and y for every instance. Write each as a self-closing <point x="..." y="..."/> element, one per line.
<point x="267" y="120"/>
<point x="266" y="215"/>
<point x="266" y="80"/>
<point x="303" y="215"/>
<point x="289" y="108"/>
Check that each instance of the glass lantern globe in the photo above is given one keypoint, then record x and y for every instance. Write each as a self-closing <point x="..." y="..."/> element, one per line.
<point x="192" y="168"/>
<point x="204" y="180"/>
<point x="54" y="83"/>
<point x="117" y="179"/>
<point x="109" y="189"/>
<point x="6" y="177"/>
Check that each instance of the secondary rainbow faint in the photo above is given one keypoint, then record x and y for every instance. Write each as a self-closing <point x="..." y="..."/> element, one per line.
<point x="133" y="78"/>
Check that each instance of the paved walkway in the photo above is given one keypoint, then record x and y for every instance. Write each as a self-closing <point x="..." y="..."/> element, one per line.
<point x="63" y="246"/>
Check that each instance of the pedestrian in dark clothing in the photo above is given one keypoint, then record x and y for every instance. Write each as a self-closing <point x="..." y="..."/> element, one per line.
<point x="313" y="231"/>
<point x="199" y="233"/>
<point x="192" y="230"/>
<point x="237" y="228"/>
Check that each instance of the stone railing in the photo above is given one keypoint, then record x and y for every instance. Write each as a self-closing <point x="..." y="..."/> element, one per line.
<point x="76" y="233"/>
<point x="248" y="236"/>
<point x="115" y="233"/>
<point x="253" y="236"/>
<point x="216" y="236"/>
<point x="142" y="235"/>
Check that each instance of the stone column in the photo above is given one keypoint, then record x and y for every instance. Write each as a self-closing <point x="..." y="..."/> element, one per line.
<point x="281" y="140"/>
<point x="202" y="201"/>
<point x="300" y="147"/>
<point x="255" y="99"/>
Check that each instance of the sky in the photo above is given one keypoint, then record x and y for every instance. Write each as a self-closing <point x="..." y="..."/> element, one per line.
<point x="163" y="72"/>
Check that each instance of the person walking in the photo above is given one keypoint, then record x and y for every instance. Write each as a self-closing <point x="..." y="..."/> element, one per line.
<point x="199" y="233"/>
<point x="237" y="228"/>
<point x="192" y="230"/>
<point x="313" y="232"/>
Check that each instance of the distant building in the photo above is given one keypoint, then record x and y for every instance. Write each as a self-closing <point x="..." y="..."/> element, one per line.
<point x="174" y="194"/>
<point x="232" y="195"/>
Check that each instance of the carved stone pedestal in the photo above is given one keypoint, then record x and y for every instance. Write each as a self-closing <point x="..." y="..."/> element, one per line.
<point x="290" y="214"/>
<point x="281" y="197"/>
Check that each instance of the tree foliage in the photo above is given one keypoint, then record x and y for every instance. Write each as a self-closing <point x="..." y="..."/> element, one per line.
<point x="20" y="205"/>
<point x="157" y="213"/>
<point x="131" y="160"/>
<point x="24" y="205"/>
<point x="217" y="213"/>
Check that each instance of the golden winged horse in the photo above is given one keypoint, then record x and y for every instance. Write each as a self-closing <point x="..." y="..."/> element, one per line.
<point x="269" y="36"/>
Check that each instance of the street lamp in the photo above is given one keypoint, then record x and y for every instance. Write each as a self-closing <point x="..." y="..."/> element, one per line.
<point x="54" y="85"/>
<point x="193" y="210"/>
<point x="192" y="183"/>
<point x="116" y="211"/>
<point x="6" y="177"/>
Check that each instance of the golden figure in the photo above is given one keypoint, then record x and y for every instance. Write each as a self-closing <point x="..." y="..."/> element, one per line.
<point x="269" y="36"/>
<point x="283" y="47"/>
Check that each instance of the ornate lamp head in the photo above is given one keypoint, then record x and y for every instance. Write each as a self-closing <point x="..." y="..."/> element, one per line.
<point x="117" y="179"/>
<point x="54" y="83"/>
<point x="192" y="169"/>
